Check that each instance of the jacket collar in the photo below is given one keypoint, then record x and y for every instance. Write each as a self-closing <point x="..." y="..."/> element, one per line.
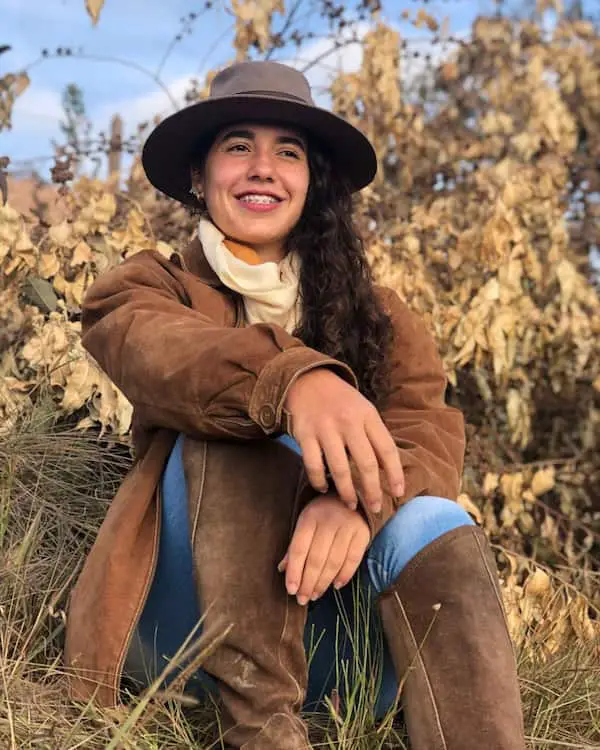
<point x="195" y="262"/>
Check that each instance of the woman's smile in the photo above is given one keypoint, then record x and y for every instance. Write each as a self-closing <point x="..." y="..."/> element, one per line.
<point x="259" y="202"/>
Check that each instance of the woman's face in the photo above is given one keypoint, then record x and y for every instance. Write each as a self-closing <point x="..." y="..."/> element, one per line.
<point x="254" y="181"/>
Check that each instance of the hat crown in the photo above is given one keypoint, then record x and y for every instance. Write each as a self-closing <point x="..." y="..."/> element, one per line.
<point x="262" y="78"/>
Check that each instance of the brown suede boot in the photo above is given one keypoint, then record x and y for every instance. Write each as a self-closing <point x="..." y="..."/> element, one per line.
<point x="244" y="501"/>
<point x="461" y="690"/>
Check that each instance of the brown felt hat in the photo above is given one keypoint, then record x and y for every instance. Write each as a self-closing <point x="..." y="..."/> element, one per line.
<point x="252" y="91"/>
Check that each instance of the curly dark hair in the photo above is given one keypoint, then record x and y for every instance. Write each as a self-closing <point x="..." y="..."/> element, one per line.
<point x="341" y="313"/>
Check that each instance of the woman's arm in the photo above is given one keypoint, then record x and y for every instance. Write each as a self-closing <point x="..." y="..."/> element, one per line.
<point x="429" y="435"/>
<point x="180" y="368"/>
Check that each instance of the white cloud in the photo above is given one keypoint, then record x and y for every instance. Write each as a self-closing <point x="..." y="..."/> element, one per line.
<point x="36" y="110"/>
<point x="348" y="59"/>
<point x="144" y="107"/>
<point x="324" y="61"/>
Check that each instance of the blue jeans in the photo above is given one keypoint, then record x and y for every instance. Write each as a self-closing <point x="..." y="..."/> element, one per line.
<point x="343" y="637"/>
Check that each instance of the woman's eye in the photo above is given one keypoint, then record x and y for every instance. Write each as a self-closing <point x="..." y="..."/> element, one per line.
<point x="290" y="153"/>
<point x="238" y="147"/>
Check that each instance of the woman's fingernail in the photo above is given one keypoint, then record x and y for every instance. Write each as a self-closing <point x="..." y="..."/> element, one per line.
<point x="337" y="585"/>
<point x="399" y="488"/>
<point x="302" y="600"/>
<point x="292" y="588"/>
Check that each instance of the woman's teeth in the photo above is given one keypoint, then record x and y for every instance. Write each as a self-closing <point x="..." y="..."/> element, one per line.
<point x="258" y="199"/>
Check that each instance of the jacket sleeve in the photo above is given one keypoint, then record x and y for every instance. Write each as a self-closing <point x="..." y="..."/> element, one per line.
<point x="429" y="434"/>
<point x="182" y="370"/>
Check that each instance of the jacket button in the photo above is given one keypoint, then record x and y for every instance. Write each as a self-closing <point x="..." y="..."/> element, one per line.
<point x="267" y="416"/>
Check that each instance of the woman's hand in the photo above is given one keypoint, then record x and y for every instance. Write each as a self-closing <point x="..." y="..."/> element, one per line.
<point x="328" y="545"/>
<point x="331" y="418"/>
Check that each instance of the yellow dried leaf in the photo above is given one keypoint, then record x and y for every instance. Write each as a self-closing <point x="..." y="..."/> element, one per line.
<point x="511" y="486"/>
<point x="61" y="234"/>
<point x="81" y="254"/>
<point x="104" y="209"/>
<point x="467" y="504"/>
<point x="412" y="244"/>
<point x="424" y="19"/>
<point x="21" y="83"/>
<point x="94" y="7"/>
<point x="110" y="407"/>
<point x="164" y="249"/>
<point x="49" y="264"/>
<point x="490" y="483"/>
<point x="253" y="23"/>
<point x="543" y="481"/>
<point x="538" y="584"/>
<point x="10" y="223"/>
<point x="79" y="385"/>
<point x="567" y="277"/>
<point x="76" y="289"/>
<point x="586" y="629"/>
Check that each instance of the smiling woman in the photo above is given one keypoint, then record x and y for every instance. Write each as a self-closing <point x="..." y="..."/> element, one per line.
<point x="291" y="439"/>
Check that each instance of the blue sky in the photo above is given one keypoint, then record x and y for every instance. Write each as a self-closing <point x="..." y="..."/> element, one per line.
<point x="139" y="31"/>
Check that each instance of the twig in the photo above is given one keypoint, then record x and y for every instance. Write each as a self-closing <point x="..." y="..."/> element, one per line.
<point x="286" y="26"/>
<point x="186" y="24"/>
<point x="213" y="47"/>
<point x="337" y="46"/>
<point x="544" y="462"/>
<point x="117" y="61"/>
<point x="566" y="518"/>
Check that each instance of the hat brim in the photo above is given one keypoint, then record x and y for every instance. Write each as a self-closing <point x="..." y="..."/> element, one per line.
<point x="170" y="148"/>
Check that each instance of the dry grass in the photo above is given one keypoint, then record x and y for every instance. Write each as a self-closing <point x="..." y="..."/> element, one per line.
<point x="54" y="489"/>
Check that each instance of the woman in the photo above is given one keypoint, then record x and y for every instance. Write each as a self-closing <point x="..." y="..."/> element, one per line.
<point x="291" y="436"/>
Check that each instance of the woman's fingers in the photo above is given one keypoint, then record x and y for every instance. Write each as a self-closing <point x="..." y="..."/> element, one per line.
<point x="354" y="556"/>
<point x="387" y="453"/>
<point x="365" y="460"/>
<point x="298" y="552"/>
<point x="313" y="463"/>
<point x="315" y="562"/>
<point x="334" y="449"/>
<point x="334" y="563"/>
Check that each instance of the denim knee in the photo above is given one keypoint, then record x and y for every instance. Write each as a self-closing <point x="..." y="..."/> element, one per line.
<point x="415" y="525"/>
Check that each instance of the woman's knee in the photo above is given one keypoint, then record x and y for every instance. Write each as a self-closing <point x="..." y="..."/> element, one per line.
<point x="429" y="516"/>
<point x="415" y="525"/>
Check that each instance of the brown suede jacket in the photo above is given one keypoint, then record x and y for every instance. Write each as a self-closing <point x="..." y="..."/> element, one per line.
<point x="172" y="338"/>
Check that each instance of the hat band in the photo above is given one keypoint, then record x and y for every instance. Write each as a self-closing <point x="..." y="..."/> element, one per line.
<point x="270" y="95"/>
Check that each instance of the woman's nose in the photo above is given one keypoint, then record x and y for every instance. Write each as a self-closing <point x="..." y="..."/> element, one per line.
<point x="261" y="166"/>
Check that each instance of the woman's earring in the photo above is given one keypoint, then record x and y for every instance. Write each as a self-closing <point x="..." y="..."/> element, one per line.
<point x="196" y="193"/>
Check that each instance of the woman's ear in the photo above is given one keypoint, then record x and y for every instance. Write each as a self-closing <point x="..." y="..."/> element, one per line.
<point x="197" y="184"/>
<point x="197" y="190"/>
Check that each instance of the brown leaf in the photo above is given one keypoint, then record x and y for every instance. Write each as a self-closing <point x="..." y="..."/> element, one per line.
<point x="94" y="7"/>
<point x="543" y="481"/>
<point x="21" y="83"/>
<point x="81" y="254"/>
